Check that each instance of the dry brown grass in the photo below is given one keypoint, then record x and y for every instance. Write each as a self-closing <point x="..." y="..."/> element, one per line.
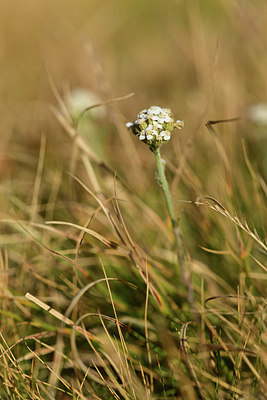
<point x="83" y="225"/>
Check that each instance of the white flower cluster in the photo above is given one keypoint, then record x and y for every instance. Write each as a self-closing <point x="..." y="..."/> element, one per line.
<point x="154" y="126"/>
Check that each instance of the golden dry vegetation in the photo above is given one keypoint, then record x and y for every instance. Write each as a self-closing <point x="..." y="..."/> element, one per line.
<point x="83" y="223"/>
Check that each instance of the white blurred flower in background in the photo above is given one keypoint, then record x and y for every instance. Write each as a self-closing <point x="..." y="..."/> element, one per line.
<point x="79" y="99"/>
<point x="257" y="113"/>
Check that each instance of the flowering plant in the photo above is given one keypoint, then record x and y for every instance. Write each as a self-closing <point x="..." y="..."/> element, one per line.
<point x="154" y="127"/>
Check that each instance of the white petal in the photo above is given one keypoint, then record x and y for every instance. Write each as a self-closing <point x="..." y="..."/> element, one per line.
<point x="155" y="110"/>
<point x="143" y="112"/>
<point x="142" y="116"/>
<point x="165" y="133"/>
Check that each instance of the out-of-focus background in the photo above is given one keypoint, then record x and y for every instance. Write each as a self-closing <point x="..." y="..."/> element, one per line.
<point x="207" y="61"/>
<point x="204" y="59"/>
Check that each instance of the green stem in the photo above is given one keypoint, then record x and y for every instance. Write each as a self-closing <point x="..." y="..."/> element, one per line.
<point x="165" y="187"/>
<point x="185" y="278"/>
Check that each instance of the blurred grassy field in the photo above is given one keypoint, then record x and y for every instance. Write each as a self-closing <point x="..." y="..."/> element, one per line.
<point x="207" y="61"/>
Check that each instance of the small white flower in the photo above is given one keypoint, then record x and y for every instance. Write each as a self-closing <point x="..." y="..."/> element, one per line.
<point x="142" y="137"/>
<point x="141" y="121"/>
<point x="167" y="118"/>
<point x="154" y="110"/>
<point x="142" y="114"/>
<point x="129" y="125"/>
<point x="149" y="137"/>
<point x="149" y="127"/>
<point x="165" y="134"/>
<point x="153" y="132"/>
